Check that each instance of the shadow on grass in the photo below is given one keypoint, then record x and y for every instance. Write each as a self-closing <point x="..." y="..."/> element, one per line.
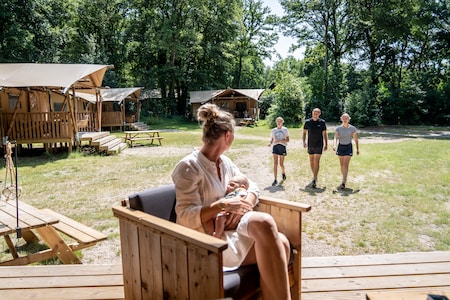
<point x="275" y="188"/>
<point x="313" y="191"/>
<point x="24" y="249"/>
<point x="346" y="191"/>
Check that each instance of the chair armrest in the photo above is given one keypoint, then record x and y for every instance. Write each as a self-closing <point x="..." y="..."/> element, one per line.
<point x="287" y="215"/>
<point x="266" y="200"/>
<point x="163" y="259"/>
<point x="174" y="230"/>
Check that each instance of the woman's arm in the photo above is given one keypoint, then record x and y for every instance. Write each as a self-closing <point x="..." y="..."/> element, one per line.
<point x="271" y="138"/>
<point x="335" y="140"/>
<point x="355" y="137"/>
<point x="325" y="139"/>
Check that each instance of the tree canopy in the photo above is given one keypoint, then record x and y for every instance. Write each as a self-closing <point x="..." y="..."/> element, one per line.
<point x="382" y="62"/>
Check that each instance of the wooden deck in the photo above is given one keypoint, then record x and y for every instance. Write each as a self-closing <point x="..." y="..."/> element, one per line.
<point x="58" y="282"/>
<point x="352" y="277"/>
<point x="324" y="278"/>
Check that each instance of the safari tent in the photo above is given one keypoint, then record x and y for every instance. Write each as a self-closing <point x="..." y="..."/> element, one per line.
<point x="35" y="104"/>
<point x="242" y="103"/>
<point x="119" y="106"/>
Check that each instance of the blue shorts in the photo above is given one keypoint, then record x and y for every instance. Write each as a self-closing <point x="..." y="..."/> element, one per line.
<point x="279" y="149"/>
<point x="345" y="150"/>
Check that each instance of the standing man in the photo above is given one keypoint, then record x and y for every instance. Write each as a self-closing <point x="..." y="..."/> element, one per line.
<point x="317" y="142"/>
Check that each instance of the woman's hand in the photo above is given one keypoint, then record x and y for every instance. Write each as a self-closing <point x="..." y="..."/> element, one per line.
<point x="232" y="221"/>
<point x="236" y="207"/>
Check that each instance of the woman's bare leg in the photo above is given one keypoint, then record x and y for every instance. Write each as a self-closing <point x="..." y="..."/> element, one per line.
<point x="282" y="164"/>
<point x="270" y="252"/>
<point x="345" y="162"/>
<point x="275" y="165"/>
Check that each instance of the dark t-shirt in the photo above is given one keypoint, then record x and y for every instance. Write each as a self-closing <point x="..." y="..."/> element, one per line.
<point x="315" y="129"/>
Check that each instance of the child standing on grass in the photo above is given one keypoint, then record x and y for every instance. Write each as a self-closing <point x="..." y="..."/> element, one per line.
<point x="279" y="137"/>
<point x="343" y="139"/>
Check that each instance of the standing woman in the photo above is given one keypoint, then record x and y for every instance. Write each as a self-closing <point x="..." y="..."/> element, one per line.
<point x="343" y="138"/>
<point x="201" y="180"/>
<point x="279" y="137"/>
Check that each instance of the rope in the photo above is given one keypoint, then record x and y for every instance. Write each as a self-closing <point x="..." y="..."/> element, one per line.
<point x="10" y="191"/>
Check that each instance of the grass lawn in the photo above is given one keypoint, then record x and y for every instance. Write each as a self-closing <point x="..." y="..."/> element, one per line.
<point x="399" y="196"/>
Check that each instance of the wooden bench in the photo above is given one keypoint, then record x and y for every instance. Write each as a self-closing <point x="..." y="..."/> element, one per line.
<point x="83" y="235"/>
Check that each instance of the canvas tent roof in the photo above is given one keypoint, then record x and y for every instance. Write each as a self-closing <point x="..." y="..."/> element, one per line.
<point x="113" y="94"/>
<point x="62" y="76"/>
<point x="204" y="96"/>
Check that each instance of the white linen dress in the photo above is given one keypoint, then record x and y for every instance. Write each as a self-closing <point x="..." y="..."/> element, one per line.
<point x="197" y="184"/>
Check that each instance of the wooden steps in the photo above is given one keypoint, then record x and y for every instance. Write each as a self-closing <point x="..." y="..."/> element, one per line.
<point x="103" y="142"/>
<point x="138" y="126"/>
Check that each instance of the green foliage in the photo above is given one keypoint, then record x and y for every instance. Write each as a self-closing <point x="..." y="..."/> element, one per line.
<point x="360" y="105"/>
<point x="288" y="102"/>
<point x="385" y="63"/>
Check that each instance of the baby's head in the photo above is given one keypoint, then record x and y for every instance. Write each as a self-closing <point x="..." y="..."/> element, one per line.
<point x="238" y="181"/>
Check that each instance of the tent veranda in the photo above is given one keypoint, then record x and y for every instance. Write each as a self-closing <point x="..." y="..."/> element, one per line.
<point x="112" y="103"/>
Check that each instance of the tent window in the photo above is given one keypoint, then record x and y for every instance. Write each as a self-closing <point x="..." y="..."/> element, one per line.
<point x="59" y="106"/>
<point x="13" y="99"/>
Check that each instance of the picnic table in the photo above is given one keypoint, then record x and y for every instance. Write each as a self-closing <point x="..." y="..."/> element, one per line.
<point x="139" y="135"/>
<point x="35" y="225"/>
<point x="247" y="122"/>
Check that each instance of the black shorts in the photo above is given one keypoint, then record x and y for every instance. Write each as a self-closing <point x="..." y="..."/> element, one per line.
<point x="345" y="150"/>
<point x="315" y="150"/>
<point x="279" y="149"/>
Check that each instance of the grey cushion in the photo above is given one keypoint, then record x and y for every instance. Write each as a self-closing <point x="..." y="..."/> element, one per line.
<point x="158" y="202"/>
<point x="241" y="282"/>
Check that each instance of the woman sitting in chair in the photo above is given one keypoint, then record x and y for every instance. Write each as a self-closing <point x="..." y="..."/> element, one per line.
<point x="200" y="181"/>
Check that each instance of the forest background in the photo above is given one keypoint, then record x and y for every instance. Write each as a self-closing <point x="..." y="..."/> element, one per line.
<point x="383" y="62"/>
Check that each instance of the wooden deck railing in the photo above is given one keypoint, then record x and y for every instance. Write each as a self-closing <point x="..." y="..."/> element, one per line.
<point x="90" y="125"/>
<point x="34" y="127"/>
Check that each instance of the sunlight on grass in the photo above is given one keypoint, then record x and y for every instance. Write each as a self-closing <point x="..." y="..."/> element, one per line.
<point x="399" y="199"/>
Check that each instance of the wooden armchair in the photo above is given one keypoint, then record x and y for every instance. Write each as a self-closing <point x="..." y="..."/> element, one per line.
<point x="164" y="260"/>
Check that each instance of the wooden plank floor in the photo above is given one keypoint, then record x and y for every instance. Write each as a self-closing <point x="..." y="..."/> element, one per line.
<point x="352" y="277"/>
<point x="57" y="282"/>
<point x="324" y="278"/>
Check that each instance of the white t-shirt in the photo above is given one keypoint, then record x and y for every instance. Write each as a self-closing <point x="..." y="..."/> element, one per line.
<point x="279" y="135"/>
